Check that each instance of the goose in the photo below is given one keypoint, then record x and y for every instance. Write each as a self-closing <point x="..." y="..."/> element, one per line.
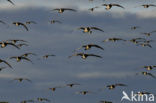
<point x="148" y="33"/>
<point x="21" y="79"/>
<point x="48" y="55"/>
<point x="84" y="56"/>
<point x="135" y="27"/>
<point x="110" y="87"/>
<point x="89" y="46"/>
<point x="143" y="93"/>
<point x="83" y="92"/>
<point x="54" y="88"/>
<point x="148" y="5"/>
<point x="30" y="22"/>
<point x="27" y="54"/>
<point x="14" y="41"/>
<point x="137" y="40"/>
<point x="114" y="39"/>
<point x="55" y="21"/>
<point x="109" y="6"/>
<point x="144" y="45"/>
<point x="4" y="44"/>
<point x="146" y="74"/>
<point x="88" y="29"/>
<point x="43" y="99"/>
<point x="3" y="61"/>
<point x="61" y="10"/>
<point x="72" y="84"/>
<point x="105" y="101"/>
<point x="93" y="8"/>
<point x="22" y="24"/>
<point x="19" y="58"/>
<point x="150" y="67"/>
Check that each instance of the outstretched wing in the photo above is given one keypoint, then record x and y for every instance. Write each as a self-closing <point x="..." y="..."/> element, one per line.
<point x="95" y="28"/>
<point x="117" y="5"/>
<point x="11" y="2"/>
<point x="150" y="74"/>
<point x="94" y="55"/>
<point x="26" y="59"/>
<point x="13" y="45"/>
<point x="7" y="63"/>
<point x="24" y="26"/>
<point x="69" y="9"/>
<point x="97" y="46"/>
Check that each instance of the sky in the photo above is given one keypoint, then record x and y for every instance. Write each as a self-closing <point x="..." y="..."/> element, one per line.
<point x="120" y="63"/>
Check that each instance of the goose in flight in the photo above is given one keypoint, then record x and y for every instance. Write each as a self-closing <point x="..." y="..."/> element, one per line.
<point x="48" y="55"/>
<point x="93" y="8"/>
<point x="143" y="93"/>
<point x="109" y="6"/>
<point x="84" y="92"/>
<point x="30" y="22"/>
<point x="61" y="10"/>
<point x="43" y="99"/>
<point x="144" y="45"/>
<point x="21" y="24"/>
<point x="84" y="56"/>
<point x="135" y="27"/>
<point x="113" y="86"/>
<point x="148" y="5"/>
<point x="102" y="101"/>
<point x="14" y="41"/>
<point x="150" y="67"/>
<point x="114" y="39"/>
<point x="22" y="79"/>
<point x="27" y="54"/>
<point x="89" y="46"/>
<point x="19" y="58"/>
<point x="149" y="33"/>
<point x="89" y="29"/>
<point x="54" y="88"/>
<point x="146" y="74"/>
<point x="3" y="61"/>
<point x="72" y="84"/>
<point x="55" y="21"/>
<point x="137" y="40"/>
<point x="4" y="44"/>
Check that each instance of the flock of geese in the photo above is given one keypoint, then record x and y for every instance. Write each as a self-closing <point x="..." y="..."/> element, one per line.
<point x="18" y="44"/>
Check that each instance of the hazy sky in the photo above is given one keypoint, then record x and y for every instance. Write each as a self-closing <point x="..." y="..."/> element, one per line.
<point x="120" y="62"/>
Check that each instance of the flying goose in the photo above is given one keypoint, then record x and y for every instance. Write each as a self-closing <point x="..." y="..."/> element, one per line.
<point x="135" y="27"/>
<point x="27" y="54"/>
<point x="72" y="84"/>
<point x="93" y="8"/>
<point x="3" y="61"/>
<point x="4" y="44"/>
<point x="22" y="24"/>
<point x="137" y="40"/>
<point x="150" y="67"/>
<point x="89" y="46"/>
<point x="21" y="79"/>
<point x="61" y="10"/>
<point x="105" y="101"/>
<point x="83" y="92"/>
<point x="114" y="39"/>
<point x="19" y="58"/>
<point x="144" y="45"/>
<point x="148" y="33"/>
<point x="146" y="74"/>
<point x="110" y="87"/>
<point x="54" y="88"/>
<point x="30" y="22"/>
<point x="148" y="5"/>
<point x="143" y="93"/>
<point x="84" y="56"/>
<point x="48" y="55"/>
<point x="109" y="6"/>
<point x="88" y="29"/>
<point x="55" y="21"/>
<point x="14" y="41"/>
<point x="43" y="99"/>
